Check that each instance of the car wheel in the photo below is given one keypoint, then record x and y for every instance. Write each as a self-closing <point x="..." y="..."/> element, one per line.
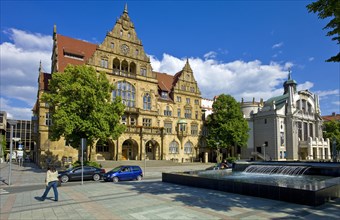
<point x="64" y="179"/>
<point x="115" y="179"/>
<point x="96" y="177"/>
<point x="139" y="178"/>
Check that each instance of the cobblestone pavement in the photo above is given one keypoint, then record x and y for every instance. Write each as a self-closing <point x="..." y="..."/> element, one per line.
<point x="148" y="199"/>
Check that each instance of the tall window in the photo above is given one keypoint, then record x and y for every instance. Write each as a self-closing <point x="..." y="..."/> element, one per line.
<point x="179" y="99"/>
<point x="282" y="138"/>
<point x="299" y="127"/>
<point x="104" y="63"/>
<point x="173" y="149"/>
<point x="143" y="71"/>
<point x="188" y="100"/>
<point x="187" y="113"/>
<point x="179" y="112"/>
<point x="194" y="129"/>
<point x="147" y="102"/>
<point x="197" y="102"/>
<point x="147" y="122"/>
<point x="196" y="114"/>
<point x="167" y="111"/>
<point x="188" y="148"/>
<point x="133" y="121"/>
<point x="311" y="133"/>
<point x="305" y="131"/>
<point x="48" y="119"/>
<point x="168" y="127"/>
<point x="127" y="92"/>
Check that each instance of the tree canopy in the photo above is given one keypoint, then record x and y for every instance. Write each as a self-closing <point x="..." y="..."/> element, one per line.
<point x="329" y="9"/>
<point x="332" y="131"/>
<point x="226" y="125"/>
<point x="80" y="102"/>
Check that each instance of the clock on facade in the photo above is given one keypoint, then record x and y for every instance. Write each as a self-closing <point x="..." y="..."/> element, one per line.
<point x="125" y="49"/>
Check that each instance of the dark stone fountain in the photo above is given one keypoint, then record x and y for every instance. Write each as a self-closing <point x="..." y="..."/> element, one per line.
<point x="296" y="182"/>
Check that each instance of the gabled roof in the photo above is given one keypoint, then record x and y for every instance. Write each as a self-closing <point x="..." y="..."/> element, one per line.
<point x="73" y="51"/>
<point x="335" y="117"/>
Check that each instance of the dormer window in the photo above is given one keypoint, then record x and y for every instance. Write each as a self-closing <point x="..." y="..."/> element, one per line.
<point x="164" y="94"/>
<point x="77" y="55"/>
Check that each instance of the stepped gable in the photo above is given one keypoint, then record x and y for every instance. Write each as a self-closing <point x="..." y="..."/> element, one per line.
<point x="72" y="51"/>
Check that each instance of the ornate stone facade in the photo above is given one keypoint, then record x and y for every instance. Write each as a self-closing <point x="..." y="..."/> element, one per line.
<point x="163" y="112"/>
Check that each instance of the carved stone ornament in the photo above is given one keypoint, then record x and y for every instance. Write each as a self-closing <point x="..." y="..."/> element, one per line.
<point x="125" y="49"/>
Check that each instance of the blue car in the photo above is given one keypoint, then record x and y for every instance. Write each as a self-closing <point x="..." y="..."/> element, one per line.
<point x="123" y="173"/>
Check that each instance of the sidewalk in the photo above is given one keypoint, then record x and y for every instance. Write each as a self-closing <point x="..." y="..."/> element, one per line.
<point x="147" y="199"/>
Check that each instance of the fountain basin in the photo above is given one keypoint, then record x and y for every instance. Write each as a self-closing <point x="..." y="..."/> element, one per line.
<point x="312" y="193"/>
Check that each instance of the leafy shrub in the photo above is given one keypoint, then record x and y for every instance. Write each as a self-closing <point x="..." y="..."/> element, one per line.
<point x="87" y="163"/>
<point x="231" y="159"/>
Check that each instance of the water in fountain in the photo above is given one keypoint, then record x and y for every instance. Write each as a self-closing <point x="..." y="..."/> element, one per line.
<point x="283" y="170"/>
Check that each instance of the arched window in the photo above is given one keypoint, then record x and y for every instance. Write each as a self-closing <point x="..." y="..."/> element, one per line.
<point x="173" y="149"/>
<point x="188" y="148"/>
<point x="127" y="92"/>
<point x="147" y="102"/>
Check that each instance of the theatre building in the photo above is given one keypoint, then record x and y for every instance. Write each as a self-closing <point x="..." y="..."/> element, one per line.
<point x="163" y="115"/>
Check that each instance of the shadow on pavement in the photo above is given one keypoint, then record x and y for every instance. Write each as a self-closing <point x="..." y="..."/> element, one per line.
<point x="222" y="201"/>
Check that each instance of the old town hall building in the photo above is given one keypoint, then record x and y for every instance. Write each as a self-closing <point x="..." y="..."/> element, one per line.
<point x="163" y="115"/>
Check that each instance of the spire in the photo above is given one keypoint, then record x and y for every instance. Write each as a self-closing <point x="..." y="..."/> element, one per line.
<point x="187" y="66"/>
<point x="126" y="9"/>
<point x="289" y="82"/>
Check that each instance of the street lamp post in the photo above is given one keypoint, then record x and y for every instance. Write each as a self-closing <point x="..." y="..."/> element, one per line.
<point x="12" y="123"/>
<point x="145" y="140"/>
<point x="218" y="152"/>
<point x="264" y="151"/>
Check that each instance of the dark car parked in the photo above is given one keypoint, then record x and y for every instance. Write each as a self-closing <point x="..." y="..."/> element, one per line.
<point x="89" y="173"/>
<point x="124" y="173"/>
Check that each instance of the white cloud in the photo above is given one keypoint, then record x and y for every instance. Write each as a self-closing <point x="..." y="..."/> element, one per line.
<point x="336" y="103"/>
<point x="327" y="92"/>
<point x="310" y="59"/>
<point x="210" y="55"/>
<point x="20" y="62"/>
<point x="19" y="69"/>
<point x="237" y="78"/>
<point x="278" y="45"/>
<point x="13" y="112"/>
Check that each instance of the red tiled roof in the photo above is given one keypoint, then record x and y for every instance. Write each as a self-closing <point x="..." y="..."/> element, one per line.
<point x="164" y="81"/>
<point x="335" y="117"/>
<point x="78" y="48"/>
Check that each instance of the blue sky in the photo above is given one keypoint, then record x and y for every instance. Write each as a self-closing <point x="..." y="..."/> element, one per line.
<point x="242" y="48"/>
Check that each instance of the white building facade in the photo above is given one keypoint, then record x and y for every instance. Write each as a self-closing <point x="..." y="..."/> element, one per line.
<point x="286" y="127"/>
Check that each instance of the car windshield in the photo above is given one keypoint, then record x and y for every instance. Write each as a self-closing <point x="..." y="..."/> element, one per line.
<point x="116" y="169"/>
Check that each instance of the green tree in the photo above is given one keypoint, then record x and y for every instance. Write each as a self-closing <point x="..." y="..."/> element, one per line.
<point x="81" y="106"/>
<point x="332" y="131"/>
<point x="329" y="9"/>
<point x="3" y="145"/>
<point x="227" y="127"/>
